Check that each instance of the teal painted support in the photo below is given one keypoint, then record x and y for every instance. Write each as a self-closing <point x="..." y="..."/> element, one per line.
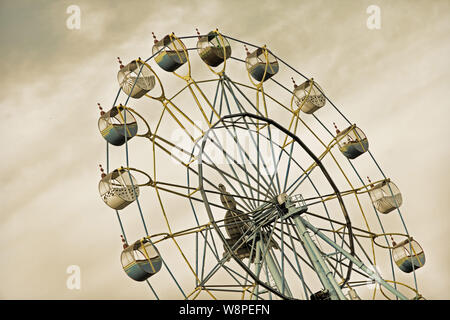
<point x="324" y="273"/>
<point x="273" y="269"/>
<point x="357" y="262"/>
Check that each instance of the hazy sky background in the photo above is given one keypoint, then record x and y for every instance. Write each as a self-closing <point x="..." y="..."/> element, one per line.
<point x="395" y="81"/>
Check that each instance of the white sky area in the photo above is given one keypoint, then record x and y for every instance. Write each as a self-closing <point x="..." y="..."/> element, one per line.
<point x="393" y="82"/>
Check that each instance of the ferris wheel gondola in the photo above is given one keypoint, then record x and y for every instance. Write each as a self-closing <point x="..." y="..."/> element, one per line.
<point x="385" y="196"/>
<point x="141" y="260"/>
<point x="261" y="64"/>
<point x="352" y="142"/>
<point x="408" y="255"/>
<point x="118" y="189"/>
<point x="135" y="79"/>
<point x="213" y="49"/>
<point x="309" y="97"/>
<point x="170" y="54"/>
<point x="117" y="125"/>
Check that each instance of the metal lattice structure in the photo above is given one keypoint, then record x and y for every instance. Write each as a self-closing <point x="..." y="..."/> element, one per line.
<point x="256" y="196"/>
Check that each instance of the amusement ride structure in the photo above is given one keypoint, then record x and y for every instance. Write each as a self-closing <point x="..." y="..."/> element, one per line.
<point x="255" y="189"/>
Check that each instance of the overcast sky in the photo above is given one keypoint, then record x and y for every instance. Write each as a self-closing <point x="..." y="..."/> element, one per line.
<point x="393" y="80"/>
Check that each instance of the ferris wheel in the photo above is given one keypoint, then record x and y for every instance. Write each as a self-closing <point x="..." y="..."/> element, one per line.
<point x="254" y="191"/>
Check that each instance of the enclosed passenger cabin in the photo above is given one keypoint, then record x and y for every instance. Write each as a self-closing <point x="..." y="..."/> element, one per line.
<point x="261" y="64"/>
<point x="408" y="255"/>
<point x="117" y="125"/>
<point x="385" y="196"/>
<point x="136" y="79"/>
<point x="141" y="260"/>
<point x="308" y="97"/>
<point x="352" y="142"/>
<point x="172" y="55"/>
<point x="118" y="188"/>
<point x="213" y="49"/>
